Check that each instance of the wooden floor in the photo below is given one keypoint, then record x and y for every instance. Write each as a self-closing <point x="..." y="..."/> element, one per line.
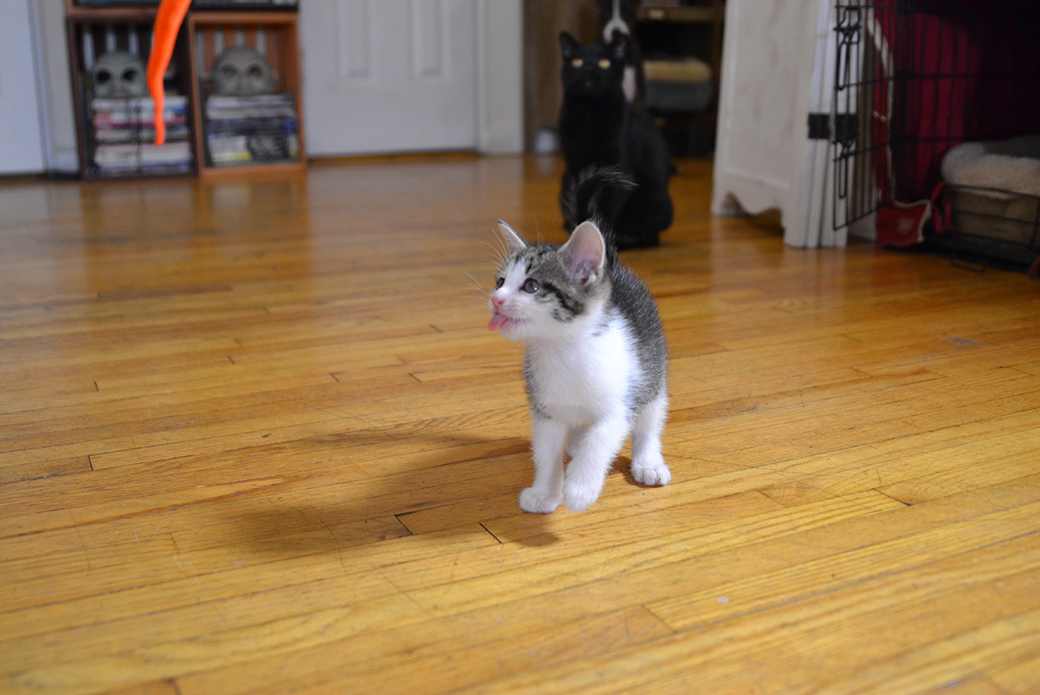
<point x="256" y="438"/>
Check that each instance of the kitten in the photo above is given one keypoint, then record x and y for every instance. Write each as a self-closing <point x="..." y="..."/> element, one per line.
<point x="598" y="126"/>
<point x="595" y="361"/>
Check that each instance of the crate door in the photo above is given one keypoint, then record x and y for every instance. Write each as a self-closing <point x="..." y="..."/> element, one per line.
<point x="390" y="75"/>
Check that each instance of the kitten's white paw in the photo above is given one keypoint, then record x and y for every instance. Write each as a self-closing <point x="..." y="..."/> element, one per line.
<point x="537" y="502"/>
<point x="653" y="473"/>
<point x="578" y="498"/>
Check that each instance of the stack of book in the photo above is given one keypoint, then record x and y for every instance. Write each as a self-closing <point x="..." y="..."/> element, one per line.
<point x="251" y="130"/>
<point x="124" y="136"/>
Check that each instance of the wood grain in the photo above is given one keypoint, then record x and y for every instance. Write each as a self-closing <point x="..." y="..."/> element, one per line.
<point x="255" y="438"/>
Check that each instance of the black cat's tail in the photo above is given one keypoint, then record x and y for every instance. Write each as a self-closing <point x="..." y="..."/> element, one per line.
<point x="581" y="198"/>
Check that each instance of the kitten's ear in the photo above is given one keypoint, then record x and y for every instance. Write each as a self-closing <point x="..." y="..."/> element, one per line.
<point x="568" y="44"/>
<point x="514" y="241"/>
<point x="584" y="256"/>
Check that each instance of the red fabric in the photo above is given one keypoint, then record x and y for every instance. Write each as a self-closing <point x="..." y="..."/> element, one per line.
<point x="964" y="70"/>
<point x="931" y="110"/>
<point x="900" y="225"/>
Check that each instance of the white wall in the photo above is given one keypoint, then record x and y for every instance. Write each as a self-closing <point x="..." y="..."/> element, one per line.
<point x="501" y="84"/>
<point x="500" y="92"/>
<point x="59" y="128"/>
<point x="21" y="144"/>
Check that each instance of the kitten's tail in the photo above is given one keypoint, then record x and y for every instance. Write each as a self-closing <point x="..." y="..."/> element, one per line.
<point x="581" y="198"/>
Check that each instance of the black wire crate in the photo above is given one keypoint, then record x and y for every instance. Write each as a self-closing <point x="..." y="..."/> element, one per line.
<point x="995" y="223"/>
<point x="942" y="100"/>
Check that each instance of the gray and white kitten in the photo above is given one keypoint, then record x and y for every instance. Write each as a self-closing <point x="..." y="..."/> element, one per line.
<point x="595" y="361"/>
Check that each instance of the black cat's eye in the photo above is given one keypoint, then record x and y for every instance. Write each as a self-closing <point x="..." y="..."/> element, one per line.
<point x="577" y="62"/>
<point x="604" y="63"/>
<point x="530" y="286"/>
<point x="499" y="283"/>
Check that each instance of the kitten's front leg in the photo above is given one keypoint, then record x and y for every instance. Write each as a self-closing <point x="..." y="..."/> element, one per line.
<point x="547" y="441"/>
<point x="648" y="466"/>
<point x="574" y="437"/>
<point x="595" y="453"/>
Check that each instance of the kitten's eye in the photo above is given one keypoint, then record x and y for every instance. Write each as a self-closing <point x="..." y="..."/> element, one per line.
<point x="604" y="63"/>
<point x="577" y="62"/>
<point x="499" y="283"/>
<point x="531" y="286"/>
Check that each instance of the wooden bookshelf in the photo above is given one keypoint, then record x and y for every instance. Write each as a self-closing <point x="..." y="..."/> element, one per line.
<point x="273" y="32"/>
<point x="686" y="30"/>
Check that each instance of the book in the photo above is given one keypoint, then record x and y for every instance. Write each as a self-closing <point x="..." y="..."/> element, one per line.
<point x="137" y="110"/>
<point x="142" y="154"/>
<point x="252" y="141"/>
<point x="145" y="133"/>
<point x="124" y="136"/>
<point x="254" y="129"/>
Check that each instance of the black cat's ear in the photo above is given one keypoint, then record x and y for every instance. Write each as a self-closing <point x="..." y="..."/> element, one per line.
<point x="584" y="256"/>
<point x="568" y="44"/>
<point x="514" y="242"/>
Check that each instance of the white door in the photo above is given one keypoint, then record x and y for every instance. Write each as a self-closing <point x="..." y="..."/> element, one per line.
<point x="389" y="75"/>
<point x="777" y="68"/>
<point x="21" y="142"/>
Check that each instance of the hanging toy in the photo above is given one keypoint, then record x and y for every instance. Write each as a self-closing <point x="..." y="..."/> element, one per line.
<point x="167" y="24"/>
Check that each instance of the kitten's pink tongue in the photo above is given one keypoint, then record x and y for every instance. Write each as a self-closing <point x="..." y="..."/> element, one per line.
<point x="496" y="321"/>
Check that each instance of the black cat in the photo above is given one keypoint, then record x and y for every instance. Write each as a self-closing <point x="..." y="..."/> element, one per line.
<point x="598" y="126"/>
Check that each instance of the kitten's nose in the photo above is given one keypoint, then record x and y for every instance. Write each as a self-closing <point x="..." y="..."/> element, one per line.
<point x="496" y="301"/>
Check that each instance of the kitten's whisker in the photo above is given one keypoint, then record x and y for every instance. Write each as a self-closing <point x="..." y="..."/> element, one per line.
<point x="495" y="262"/>
<point x="500" y="251"/>
<point x="496" y="248"/>
<point x="468" y="301"/>
<point x="477" y="286"/>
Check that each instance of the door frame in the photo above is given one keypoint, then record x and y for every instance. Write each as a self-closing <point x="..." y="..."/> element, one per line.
<point x="500" y="77"/>
<point x="27" y="146"/>
<point x="805" y="190"/>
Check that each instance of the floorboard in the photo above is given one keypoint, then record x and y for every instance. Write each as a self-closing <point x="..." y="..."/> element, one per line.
<point x="255" y="438"/>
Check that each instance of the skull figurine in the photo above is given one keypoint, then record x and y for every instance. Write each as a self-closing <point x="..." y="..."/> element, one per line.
<point x="119" y="75"/>
<point x="242" y="72"/>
